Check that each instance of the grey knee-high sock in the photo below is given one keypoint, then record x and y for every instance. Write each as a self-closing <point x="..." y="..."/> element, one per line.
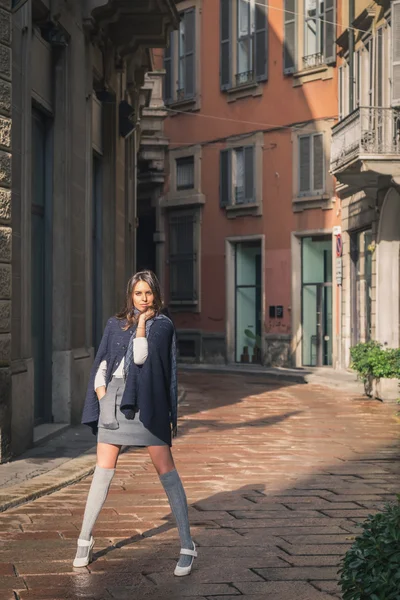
<point x="97" y="496"/>
<point x="177" y="499"/>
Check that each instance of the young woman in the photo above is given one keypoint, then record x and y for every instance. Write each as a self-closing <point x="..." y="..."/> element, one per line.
<point x="132" y="401"/>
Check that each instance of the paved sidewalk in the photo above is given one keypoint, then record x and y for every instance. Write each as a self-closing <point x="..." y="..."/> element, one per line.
<point x="47" y="467"/>
<point x="345" y="380"/>
<point x="277" y="476"/>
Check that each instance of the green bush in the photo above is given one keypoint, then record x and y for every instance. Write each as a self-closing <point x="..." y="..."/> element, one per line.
<point x="371" y="568"/>
<point x="372" y="361"/>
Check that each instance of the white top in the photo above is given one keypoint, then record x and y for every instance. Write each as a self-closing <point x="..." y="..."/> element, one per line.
<point x="140" y="353"/>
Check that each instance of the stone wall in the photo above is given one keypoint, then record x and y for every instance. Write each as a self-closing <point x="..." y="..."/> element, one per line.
<point x="5" y="229"/>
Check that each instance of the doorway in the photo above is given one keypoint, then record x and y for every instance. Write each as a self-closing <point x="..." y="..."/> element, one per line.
<point x="41" y="313"/>
<point x="317" y="343"/>
<point x="248" y="302"/>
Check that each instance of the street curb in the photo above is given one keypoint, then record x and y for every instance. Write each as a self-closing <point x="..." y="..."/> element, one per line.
<point x="284" y="375"/>
<point x="70" y="472"/>
<point x="48" y="483"/>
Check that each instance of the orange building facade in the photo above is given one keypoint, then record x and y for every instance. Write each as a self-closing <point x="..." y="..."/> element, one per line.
<point x="247" y="230"/>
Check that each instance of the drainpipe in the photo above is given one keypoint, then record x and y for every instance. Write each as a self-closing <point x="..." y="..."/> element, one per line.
<point x="351" y="55"/>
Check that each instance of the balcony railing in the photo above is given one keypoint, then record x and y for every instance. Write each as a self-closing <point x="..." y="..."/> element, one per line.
<point x="245" y="77"/>
<point x="313" y="60"/>
<point x="366" y="132"/>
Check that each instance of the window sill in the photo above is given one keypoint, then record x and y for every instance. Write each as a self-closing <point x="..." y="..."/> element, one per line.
<point x="312" y="74"/>
<point x="236" y="210"/>
<point x="189" y="104"/>
<point x="175" y="199"/>
<point x="184" y="306"/>
<point x="323" y="201"/>
<point x="244" y="90"/>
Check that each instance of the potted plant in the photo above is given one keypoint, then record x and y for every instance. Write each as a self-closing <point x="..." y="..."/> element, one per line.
<point x="378" y="368"/>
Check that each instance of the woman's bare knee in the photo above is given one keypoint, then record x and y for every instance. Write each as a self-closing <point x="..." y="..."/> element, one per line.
<point x="162" y="459"/>
<point x="107" y="455"/>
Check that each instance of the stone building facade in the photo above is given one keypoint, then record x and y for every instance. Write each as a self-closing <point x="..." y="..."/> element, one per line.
<point x="5" y="223"/>
<point x="80" y="92"/>
<point x="366" y="162"/>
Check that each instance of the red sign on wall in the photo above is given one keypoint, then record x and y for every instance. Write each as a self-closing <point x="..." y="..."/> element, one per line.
<point x="339" y="245"/>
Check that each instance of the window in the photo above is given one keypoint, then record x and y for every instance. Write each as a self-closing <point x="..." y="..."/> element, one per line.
<point x="314" y="33"/>
<point x="319" y="33"/>
<point x="396" y="53"/>
<point x="180" y="61"/>
<point x="358" y="78"/>
<point x="244" y="42"/>
<point x="311" y="164"/>
<point x="290" y="37"/>
<point x="185" y="173"/>
<point x="183" y="256"/>
<point x="361" y="286"/>
<point x="237" y="176"/>
<point x="370" y="66"/>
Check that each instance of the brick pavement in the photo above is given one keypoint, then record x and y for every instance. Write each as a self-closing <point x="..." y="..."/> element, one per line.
<point x="277" y="477"/>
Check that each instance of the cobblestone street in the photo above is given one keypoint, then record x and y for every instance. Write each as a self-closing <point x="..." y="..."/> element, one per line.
<point x="277" y="477"/>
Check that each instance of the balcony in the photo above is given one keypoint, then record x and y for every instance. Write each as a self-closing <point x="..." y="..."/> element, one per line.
<point x="133" y="23"/>
<point x="313" y="60"/>
<point x="365" y="145"/>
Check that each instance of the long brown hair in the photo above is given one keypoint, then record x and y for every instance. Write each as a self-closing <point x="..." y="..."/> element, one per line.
<point x="128" y="312"/>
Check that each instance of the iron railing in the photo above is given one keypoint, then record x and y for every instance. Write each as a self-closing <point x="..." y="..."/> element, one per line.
<point x="245" y="77"/>
<point x="313" y="60"/>
<point x="367" y="131"/>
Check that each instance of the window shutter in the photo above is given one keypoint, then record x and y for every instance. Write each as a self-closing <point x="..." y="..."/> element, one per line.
<point x="225" y="58"/>
<point x="396" y="53"/>
<point x="261" y="41"/>
<point x="304" y="164"/>
<point x="190" y="46"/>
<point x="168" y="66"/>
<point x="318" y="163"/>
<point x="330" y="32"/>
<point x="290" y="37"/>
<point x="225" y="178"/>
<point x="248" y="174"/>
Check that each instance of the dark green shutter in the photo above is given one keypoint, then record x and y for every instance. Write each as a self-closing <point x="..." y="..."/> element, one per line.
<point x="304" y="164"/>
<point x="261" y="40"/>
<point x="190" y="47"/>
<point x="168" y="66"/>
<point x="225" y="43"/>
<point x="318" y="163"/>
<point x="249" y="195"/>
<point x="225" y="178"/>
<point x="290" y="37"/>
<point x="330" y="32"/>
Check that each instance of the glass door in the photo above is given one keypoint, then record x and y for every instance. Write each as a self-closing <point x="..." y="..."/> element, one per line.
<point x="248" y="295"/>
<point x="317" y="301"/>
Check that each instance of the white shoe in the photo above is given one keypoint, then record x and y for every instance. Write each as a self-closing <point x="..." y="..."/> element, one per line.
<point x="85" y="560"/>
<point x="182" y="571"/>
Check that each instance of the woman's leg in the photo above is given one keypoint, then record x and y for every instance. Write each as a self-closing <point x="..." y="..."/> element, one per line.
<point x="107" y="456"/>
<point x="165" y="467"/>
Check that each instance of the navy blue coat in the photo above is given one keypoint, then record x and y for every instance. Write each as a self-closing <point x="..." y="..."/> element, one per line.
<point x="148" y="386"/>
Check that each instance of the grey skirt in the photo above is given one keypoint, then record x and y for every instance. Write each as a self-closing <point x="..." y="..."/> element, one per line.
<point x="115" y="428"/>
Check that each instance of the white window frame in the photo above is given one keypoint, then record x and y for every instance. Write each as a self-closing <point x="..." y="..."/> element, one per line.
<point x="319" y="21"/>
<point x="249" y="37"/>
